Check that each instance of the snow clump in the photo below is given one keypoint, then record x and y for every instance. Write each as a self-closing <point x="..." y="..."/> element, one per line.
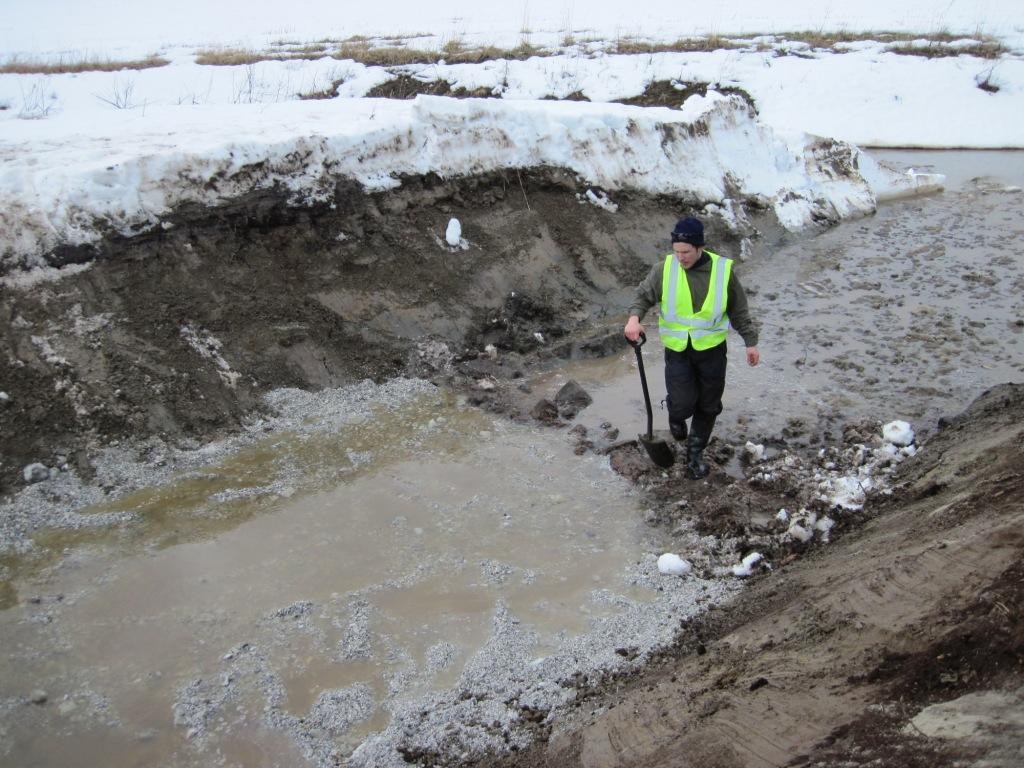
<point x="755" y="452"/>
<point x="453" y="235"/>
<point x="672" y="565"/>
<point x="898" y="433"/>
<point x="36" y="473"/>
<point x="746" y="566"/>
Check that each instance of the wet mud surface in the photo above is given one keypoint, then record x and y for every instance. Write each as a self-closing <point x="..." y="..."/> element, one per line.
<point x="825" y="658"/>
<point x="901" y="641"/>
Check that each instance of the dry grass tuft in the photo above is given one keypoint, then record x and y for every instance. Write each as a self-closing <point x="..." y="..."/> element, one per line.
<point x="386" y="56"/>
<point x="987" y="49"/>
<point x="17" y="66"/>
<point x="328" y="92"/>
<point x="900" y="42"/>
<point x="232" y="57"/>
<point x="633" y="46"/>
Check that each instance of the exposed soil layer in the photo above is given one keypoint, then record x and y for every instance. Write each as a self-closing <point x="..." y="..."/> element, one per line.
<point x="658" y="93"/>
<point x="406" y="87"/>
<point x="832" y="659"/>
<point x="668" y="93"/>
<point x="178" y="334"/>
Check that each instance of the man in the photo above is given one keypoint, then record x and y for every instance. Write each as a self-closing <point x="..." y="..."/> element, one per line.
<point x="699" y="297"/>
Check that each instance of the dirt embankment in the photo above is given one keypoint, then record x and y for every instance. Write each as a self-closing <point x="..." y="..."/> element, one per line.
<point x="179" y="334"/>
<point x="901" y="644"/>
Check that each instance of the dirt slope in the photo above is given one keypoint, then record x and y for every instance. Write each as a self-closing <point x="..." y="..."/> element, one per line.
<point x="826" y="661"/>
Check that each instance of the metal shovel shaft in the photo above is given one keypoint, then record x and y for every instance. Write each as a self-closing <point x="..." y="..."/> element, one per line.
<point x="658" y="450"/>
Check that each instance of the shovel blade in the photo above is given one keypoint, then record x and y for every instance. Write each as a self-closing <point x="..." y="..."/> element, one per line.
<point x="658" y="450"/>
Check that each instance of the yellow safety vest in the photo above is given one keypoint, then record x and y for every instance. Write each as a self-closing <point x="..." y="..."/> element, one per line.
<point x="679" y="324"/>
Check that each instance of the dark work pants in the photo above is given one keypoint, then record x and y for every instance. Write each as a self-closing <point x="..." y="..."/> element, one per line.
<point x="695" y="381"/>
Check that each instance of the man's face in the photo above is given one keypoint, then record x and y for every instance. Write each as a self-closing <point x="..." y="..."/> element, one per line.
<point x="687" y="254"/>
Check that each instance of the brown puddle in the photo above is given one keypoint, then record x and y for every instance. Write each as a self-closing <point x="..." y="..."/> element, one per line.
<point x="427" y="517"/>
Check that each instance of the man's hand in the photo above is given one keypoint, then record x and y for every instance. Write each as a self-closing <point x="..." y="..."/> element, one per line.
<point x="753" y="356"/>
<point x="633" y="328"/>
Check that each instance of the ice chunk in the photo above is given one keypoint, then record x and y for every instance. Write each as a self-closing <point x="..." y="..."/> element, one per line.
<point x="672" y="565"/>
<point x="453" y="235"/>
<point x="800" y="533"/>
<point x="754" y="451"/>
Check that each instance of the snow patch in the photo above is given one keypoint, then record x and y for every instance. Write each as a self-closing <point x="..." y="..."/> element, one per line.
<point x="85" y="187"/>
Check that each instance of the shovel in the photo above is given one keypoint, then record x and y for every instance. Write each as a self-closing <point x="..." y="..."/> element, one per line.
<point x="658" y="450"/>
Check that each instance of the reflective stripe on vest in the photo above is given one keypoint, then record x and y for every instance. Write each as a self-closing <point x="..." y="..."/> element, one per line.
<point x="679" y="324"/>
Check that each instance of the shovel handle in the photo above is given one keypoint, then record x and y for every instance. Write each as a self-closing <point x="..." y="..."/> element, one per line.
<point x="638" y="344"/>
<point x="643" y="382"/>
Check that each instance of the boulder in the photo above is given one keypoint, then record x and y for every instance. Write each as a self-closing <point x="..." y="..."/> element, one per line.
<point x="571" y="399"/>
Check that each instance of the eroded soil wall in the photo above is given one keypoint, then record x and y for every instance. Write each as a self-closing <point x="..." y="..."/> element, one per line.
<point x="177" y="335"/>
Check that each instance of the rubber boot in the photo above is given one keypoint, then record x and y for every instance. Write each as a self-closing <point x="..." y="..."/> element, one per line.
<point x="695" y="445"/>
<point x="678" y="430"/>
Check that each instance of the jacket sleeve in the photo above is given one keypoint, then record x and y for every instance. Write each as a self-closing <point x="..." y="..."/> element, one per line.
<point x="648" y="293"/>
<point x="739" y="312"/>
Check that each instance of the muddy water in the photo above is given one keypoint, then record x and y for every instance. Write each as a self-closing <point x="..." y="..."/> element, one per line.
<point x="907" y="314"/>
<point x="383" y="567"/>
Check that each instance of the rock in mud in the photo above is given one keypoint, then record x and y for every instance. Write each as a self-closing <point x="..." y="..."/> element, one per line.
<point x="36" y="473"/>
<point x="545" y="411"/>
<point x="571" y="399"/>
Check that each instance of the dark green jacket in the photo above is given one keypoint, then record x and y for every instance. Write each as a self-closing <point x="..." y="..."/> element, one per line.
<point x="648" y="294"/>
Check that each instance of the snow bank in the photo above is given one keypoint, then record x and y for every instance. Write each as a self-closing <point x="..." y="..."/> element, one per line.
<point x="85" y="185"/>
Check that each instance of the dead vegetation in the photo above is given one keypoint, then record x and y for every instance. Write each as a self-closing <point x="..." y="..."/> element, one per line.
<point x="985" y="49"/>
<point x="929" y="45"/>
<point x="367" y="52"/>
<point x="633" y="46"/>
<point x="396" y="52"/>
<point x="64" y="66"/>
<point x="406" y="87"/>
<point x="672" y="94"/>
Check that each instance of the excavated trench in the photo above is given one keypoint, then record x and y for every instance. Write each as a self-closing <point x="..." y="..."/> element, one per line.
<point x="178" y="334"/>
<point x="243" y="605"/>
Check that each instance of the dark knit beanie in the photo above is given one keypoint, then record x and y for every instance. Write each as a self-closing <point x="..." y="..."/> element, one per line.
<point x="688" y="230"/>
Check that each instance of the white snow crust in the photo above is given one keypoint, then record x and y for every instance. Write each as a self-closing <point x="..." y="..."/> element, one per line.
<point x="87" y="153"/>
